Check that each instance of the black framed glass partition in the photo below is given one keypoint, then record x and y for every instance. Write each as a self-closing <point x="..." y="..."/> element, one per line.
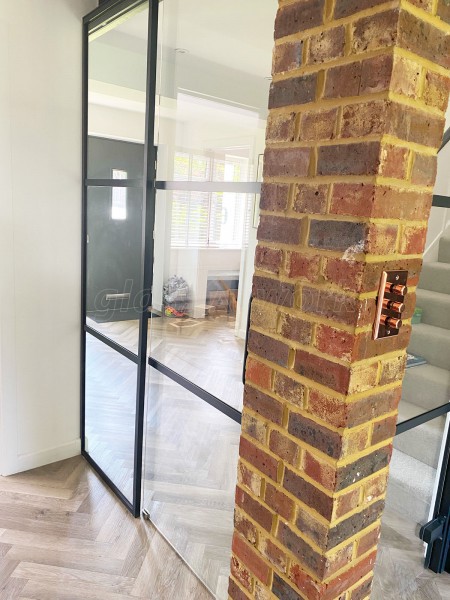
<point x="118" y="172"/>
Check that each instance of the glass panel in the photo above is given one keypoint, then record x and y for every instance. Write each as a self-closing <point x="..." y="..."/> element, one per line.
<point x="427" y="380"/>
<point x="213" y="88"/>
<point x="412" y="484"/>
<point x="117" y="96"/>
<point x="113" y="277"/>
<point x="111" y="381"/>
<point x="190" y="478"/>
<point x="199" y="319"/>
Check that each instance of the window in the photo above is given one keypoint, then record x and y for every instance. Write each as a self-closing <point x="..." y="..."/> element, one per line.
<point x="216" y="219"/>
<point x="119" y="197"/>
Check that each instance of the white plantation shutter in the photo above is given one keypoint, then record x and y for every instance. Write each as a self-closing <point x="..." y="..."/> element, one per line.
<point x="217" y="219"/>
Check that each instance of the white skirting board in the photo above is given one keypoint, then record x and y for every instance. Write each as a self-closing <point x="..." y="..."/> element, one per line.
<point x="26" y="462"/>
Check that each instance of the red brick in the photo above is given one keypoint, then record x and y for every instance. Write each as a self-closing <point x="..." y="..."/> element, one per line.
<point x="296" y="329"/>
<point x="264" y="405"/>
<point x="282" y="590"/>
<point x="413" y="240"/>
<point x="287" y="57"/>
<point x="311" y="527"/>
<point x="347" y="503"/>
<point x="338" y="307"/>
<point x="327" y="441"/>
<point x="382" y="239"/>
<point x="405" y="77"/>
<point x="319" y="470"/>
<point x="423" y="4"/>
<point x="268" y="348"/>
<point x="394" y="162"/>
<point x="283" y="447"/>
<point x="356" y="199"/>
<point x="279" y="502"/>
<point x="281" y="128"/>
<point x="310" y="199"/>
<point x="336" y="235"/>
<point x="258" y="373"/>
<point x="376" y="487"/>
<point x="235" y="592"/>
<point x="368" y="541"/>
<point x="274" y="554"/>
<point x="344" y="8"/>
<point x="308" y="493"/>
<point x="329" y="409"/>
<point x="335" y="342"/>
<point x="245" y="527"/>
<point x="286" y="162"/>
<point x="268" y="259"/>
<point x="424" y="39"/>
<point x="254" y="427"/>
<point x="363" y="119"/>
<point x="348" y="274"/>
<point x="273" y="291"/>
<point x="289" y="389"/>
<point x="254" y="509"/>
<point x="274" y="197"/>
<point x="363" y="467"/>
<point x="326" y="45"/>
<point x="384" y="430"/>
<point x="305" y="554"/>
<point x="437" y="88"/>
<point x="375" y="31"/>
<point x="303" y="266"/>
<point x="349" y="578"/>
<point x="392" y="369"/>
<point x="325" y="372"/>
<point x="241" y="574"/>
<point x="318" y="125"/>
<point x="251" y="559"/>
<point x="279" y="229"/>
<point x="424" y="170"/>
<point x="294" y="91"/>
<point x="343" y="81"/>
<point x="376" y="74"/>
<point x="258" y="458"/>
<point x="414" y="125"/>
<point x="349" y="159"/>
<point x="401" y="204"/>
<point x="443" y="11"/>
<point x="362" y="591"/>
<point x="247" y="478"/>
<point x="293" y="18"/>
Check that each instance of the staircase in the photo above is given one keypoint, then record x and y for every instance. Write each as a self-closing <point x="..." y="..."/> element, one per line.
<point x="415" y="460"/>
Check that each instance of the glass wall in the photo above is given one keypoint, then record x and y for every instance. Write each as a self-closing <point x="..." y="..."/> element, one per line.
<point x="212" y="98"/>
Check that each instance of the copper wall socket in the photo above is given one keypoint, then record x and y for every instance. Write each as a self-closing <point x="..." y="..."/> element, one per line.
<point x="390" y="304"/>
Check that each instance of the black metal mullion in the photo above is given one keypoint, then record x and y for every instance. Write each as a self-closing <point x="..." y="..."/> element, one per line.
<point x="112" y="183"/>
<point x="441" y="201"/>
<point x="423" y="418"/>
<point x="112" y="344"/>
<point x="148" y="224"/>
<point x="201" y="393"/>
<point x="84" y="126"/>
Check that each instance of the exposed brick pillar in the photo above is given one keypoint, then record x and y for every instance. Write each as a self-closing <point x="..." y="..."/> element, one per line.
<point x="356" y="117"/>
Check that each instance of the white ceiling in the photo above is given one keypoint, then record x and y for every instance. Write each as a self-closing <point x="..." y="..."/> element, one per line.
<point x="233" y="33"/>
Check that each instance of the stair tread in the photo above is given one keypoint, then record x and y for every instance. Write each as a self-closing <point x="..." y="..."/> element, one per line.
<point x="432" y="343"/>
<point x="441" y="296"/>
<point x="431" y="330"/>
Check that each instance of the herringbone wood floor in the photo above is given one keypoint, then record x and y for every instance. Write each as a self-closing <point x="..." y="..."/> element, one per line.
<point x="64" y="536"/>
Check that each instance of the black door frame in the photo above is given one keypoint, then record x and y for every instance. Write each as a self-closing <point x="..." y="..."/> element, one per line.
<point x="94" y="21"/>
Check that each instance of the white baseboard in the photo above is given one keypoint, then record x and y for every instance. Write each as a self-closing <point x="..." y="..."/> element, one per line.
<point x="25" y="462"/>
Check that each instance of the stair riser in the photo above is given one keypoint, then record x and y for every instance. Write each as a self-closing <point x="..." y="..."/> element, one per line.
<point x="435" y="277"/>
<point x="435" y="349"/>
<point x="407" y="504"/>
<point x="423" y="443"/>
<point x="423" y="392"/>
<point x="436" y="308"/>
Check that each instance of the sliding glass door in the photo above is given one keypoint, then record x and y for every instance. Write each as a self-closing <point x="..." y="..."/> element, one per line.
<point x="118" y="201"/>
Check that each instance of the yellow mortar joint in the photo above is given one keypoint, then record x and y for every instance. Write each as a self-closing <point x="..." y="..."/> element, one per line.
<point x="328" y="10"/>
<point x="431" y="66"/>
<point x="423" y="15"/>
<point x="435" y="6"/>
<point x="327" y="103"/>
<point x="354" y="563"/>
<point x="395" y="141"/>
<point x="416" y="104"/>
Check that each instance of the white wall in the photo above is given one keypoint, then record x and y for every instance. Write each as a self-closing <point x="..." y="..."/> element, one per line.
<point x="40" y="226"/>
